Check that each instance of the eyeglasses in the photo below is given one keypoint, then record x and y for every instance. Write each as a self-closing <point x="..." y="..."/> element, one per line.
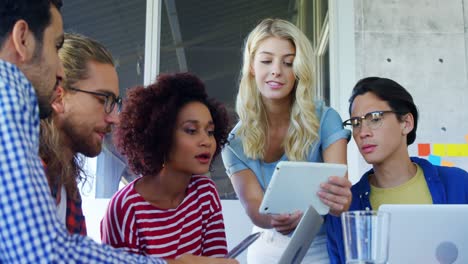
<point x="373" y="120"/>
<point x="110" y="100"/>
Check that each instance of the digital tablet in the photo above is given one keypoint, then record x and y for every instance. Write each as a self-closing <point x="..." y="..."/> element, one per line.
<point x="294" y="186"/>
<point x="302" y="238"/>
<point x="244" y="244"/>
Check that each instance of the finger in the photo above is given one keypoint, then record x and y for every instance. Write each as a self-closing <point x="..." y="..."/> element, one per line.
<point x="290" y="223"/>
<point x="289" y="228"/>
<point x="284" y="225"/>
<point x="325" y="196"/>
<point x="341" y="181"/>
<point x="281" y="217"/>
<point x="295" y="216"/>
<point x="336" y="189"/>
<point x="331" y="199"/>
<point x="285" y="229"/>
<point x="282" y="222"/>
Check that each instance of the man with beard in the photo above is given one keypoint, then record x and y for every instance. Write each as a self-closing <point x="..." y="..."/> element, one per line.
<point x="31" y="33"/>
<point x="84" y="110"/>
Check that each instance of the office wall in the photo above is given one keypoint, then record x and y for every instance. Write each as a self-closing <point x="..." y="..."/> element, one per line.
<point x="423" y="45"/>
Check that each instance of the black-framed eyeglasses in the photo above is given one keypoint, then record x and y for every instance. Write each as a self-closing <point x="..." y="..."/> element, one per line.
<point x="110" y="99"/>
<point x="373" y="120"/>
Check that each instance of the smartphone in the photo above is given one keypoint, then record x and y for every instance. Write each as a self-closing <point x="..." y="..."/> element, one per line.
<point x="243" y="245"/>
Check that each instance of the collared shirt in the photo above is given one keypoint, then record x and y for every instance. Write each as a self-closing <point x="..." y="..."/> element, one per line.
<point x="30" y="231"/>
<point x="73" y="212"/>
<point x="447" y="185"/>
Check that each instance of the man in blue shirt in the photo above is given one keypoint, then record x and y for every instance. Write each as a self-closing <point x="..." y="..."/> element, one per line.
<point x="384" y="120"/>
<point x="31" y="33"/>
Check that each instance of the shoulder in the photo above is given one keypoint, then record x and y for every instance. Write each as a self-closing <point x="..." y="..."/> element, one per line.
<point x="452" y="172"/>
<point x="449" y="175"/>
<point x="234" y="148"/>
<point x="125" y="196"/>
<point x="201" y="180"/>
<point x="202" y="184"/>
<point x="233" y="138"/>
<point x="331" y="125"/>
<point x="442" y="171"/>
<point x="203" y="189"/>
<point x="326" y="113"/>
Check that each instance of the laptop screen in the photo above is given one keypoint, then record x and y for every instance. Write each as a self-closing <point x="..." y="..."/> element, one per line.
<point x="428" y="233"/>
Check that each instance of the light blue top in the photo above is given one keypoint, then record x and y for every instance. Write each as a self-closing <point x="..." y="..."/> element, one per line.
<point x="331" y="130"/>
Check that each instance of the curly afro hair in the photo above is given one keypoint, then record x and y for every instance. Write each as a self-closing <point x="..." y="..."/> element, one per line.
<point x="147" y="121"/>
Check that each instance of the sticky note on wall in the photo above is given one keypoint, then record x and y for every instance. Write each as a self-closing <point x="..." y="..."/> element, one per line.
<point x="450" y="150"/>
<point x="447" y="163"/>
<point x="466" y="138"/>
<point x="439" y="149"/>
<point x="457" y="150"/>
<point x="424" y="150"/>
<point x="435" y="160"/>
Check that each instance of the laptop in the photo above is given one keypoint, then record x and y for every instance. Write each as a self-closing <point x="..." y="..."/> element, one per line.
<point x="302" y="238"/>
<point x="428" y="233"/>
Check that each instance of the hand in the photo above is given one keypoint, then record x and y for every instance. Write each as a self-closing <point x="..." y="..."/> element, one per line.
<point x="285" y="223"/>
<point x="191" y="259"/>
<point x="336" y="193"/>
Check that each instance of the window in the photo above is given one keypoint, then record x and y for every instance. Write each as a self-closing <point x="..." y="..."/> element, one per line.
<point x="120" y="26"/>
<point x="207" y="37"/>
<point x="204" y="37"/>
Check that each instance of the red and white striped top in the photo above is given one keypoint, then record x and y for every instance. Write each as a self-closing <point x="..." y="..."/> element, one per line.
<point x="196" y="226"/>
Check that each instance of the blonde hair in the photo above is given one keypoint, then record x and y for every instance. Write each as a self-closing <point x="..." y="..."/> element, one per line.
<point x="77" y="51"/>
<point x="304" y="124"/>
<point x="59" y="171"/>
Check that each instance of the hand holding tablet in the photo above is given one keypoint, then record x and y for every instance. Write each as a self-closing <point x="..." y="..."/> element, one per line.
<point x="294" y="186"/>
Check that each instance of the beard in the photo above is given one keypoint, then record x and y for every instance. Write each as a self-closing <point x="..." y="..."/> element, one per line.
<point x="79" y="139"/>
<point x="45" y="108"/>
<point x="37" y="73"/>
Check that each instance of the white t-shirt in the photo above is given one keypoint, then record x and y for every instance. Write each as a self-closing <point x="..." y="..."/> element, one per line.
<point x="62" y="206"/>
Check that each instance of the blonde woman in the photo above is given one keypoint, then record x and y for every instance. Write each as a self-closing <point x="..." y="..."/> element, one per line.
<point x="281" y="120"/>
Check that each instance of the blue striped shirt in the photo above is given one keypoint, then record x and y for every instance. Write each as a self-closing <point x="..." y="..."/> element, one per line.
<point x="30" y="231"/>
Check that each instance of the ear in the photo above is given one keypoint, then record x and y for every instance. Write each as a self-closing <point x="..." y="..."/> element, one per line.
<point x="58" y="100"/>
<point x="407" y="123"/>
<point x="251" y="69"/>
<point x="23" y="41"/>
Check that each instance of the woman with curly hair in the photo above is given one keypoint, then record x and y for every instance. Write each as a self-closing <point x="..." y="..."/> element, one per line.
<point x="170" y="133"/>
<point x="280" y="119"/>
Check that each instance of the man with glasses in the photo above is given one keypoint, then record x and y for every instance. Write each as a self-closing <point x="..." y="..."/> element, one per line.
<point x="383" y="121"/>
<point x="84" y="110"/>
<point x="31" y="33"/>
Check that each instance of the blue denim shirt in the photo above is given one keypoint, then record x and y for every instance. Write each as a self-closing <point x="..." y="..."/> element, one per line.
<point x="447" y="185"/>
